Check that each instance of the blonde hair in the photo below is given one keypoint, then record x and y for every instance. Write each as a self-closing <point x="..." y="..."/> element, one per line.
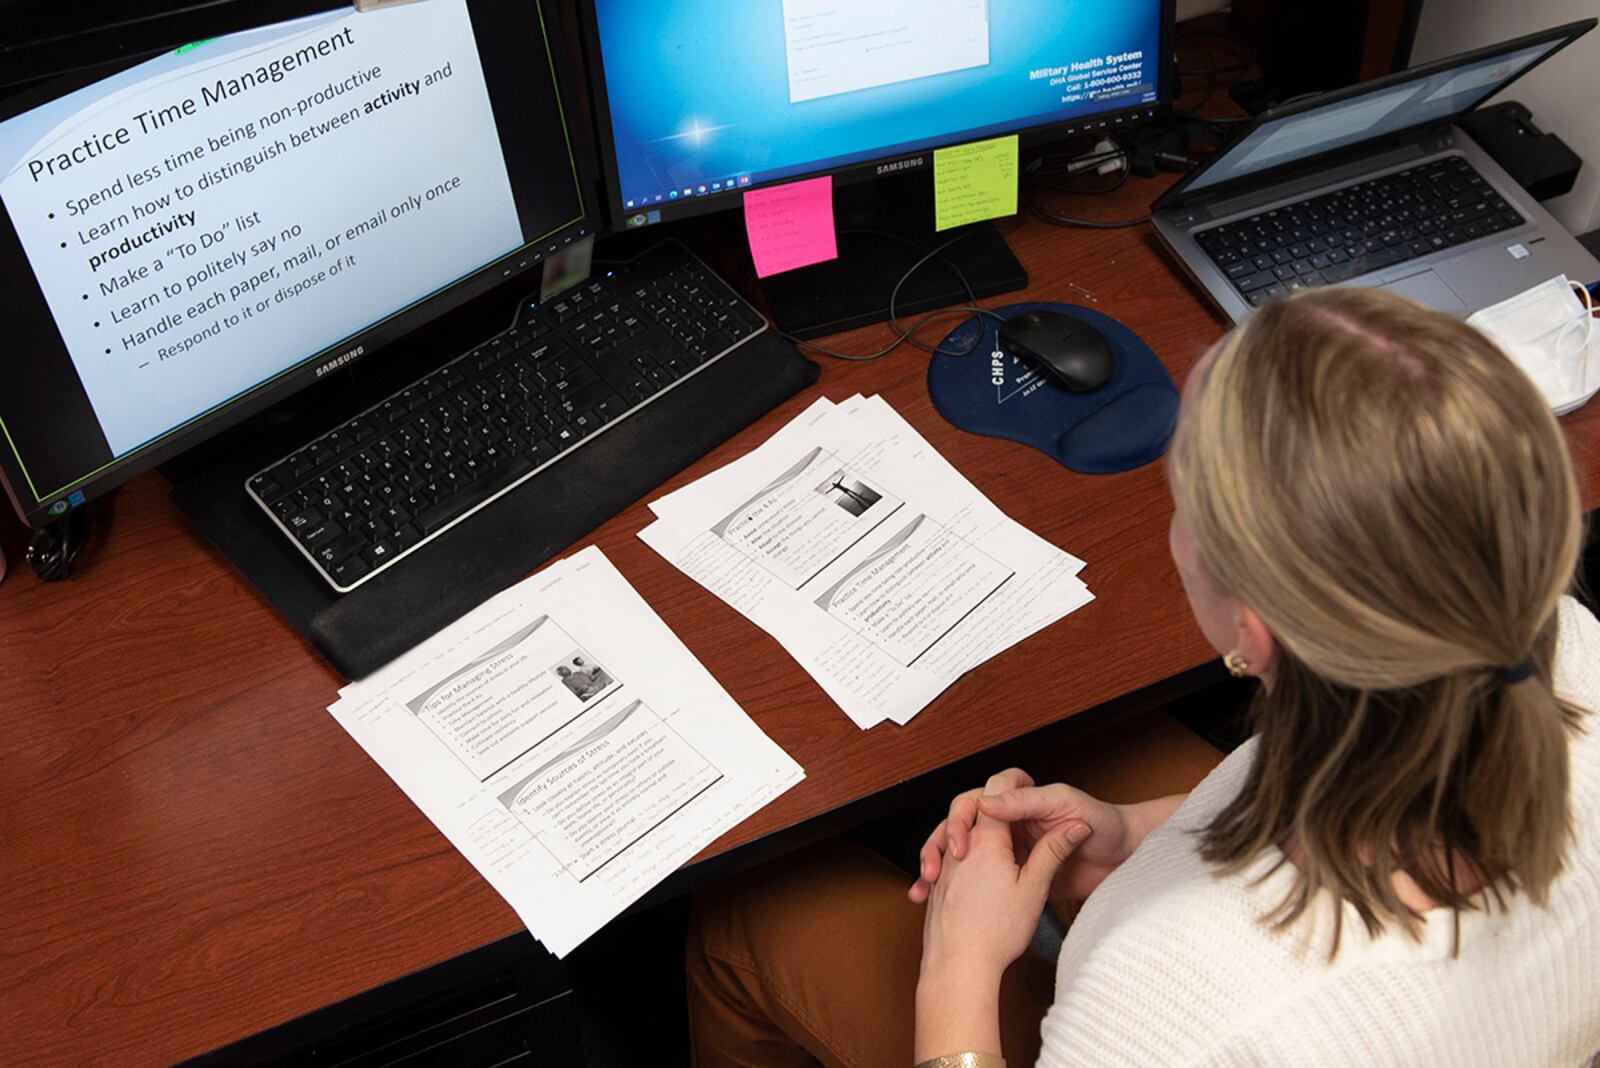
<point x="1393" y="498"/>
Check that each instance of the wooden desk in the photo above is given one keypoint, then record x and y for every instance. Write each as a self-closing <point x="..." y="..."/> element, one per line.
<point x="192" y="850"/>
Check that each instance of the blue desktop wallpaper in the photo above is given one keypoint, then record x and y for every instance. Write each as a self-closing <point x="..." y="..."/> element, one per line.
<point x="698" y="89"/>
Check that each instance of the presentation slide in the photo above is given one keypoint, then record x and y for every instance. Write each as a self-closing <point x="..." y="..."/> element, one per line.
<point x="201" y="222"/>
<point x="703" y="92"/>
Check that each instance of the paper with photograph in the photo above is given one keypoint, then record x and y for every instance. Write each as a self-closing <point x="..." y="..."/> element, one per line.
<point x="568" y="744"/>
<point x="882" y="570"/>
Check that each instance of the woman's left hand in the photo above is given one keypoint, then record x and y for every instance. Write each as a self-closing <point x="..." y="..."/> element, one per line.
<point x="984" y="908"/>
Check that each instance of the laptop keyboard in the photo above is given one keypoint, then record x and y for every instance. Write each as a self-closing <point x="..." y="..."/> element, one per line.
<point x="1371" y="226"/>
<point x="366" y="493"/>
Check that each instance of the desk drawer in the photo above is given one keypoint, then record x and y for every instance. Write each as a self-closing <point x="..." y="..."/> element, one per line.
<point x="507" y="1003"/>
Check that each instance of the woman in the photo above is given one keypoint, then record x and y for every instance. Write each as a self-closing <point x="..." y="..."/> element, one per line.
<point x="1376" y="517"/>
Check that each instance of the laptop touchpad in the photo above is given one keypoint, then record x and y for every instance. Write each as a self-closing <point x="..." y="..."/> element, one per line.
<point x="1429" y="288"/>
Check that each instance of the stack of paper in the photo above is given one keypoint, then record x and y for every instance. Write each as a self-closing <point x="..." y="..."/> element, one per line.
<point x="882" y="570"/>
<point x="566" y="742"/>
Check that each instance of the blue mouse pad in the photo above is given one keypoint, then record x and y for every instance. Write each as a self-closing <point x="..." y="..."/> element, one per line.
<point x="1122" y="425"/>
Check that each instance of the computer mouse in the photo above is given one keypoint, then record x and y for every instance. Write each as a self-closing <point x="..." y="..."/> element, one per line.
<point x="1069" y="350"/>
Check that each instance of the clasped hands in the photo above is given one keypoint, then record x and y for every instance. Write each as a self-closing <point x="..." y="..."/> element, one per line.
<point x="1004" y="850"/>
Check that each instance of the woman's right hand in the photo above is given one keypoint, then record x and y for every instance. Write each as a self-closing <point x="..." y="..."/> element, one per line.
<point x="1034" y="811"/>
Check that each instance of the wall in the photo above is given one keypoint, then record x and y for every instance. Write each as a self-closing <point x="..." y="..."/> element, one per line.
<point x="1561" y="93"/>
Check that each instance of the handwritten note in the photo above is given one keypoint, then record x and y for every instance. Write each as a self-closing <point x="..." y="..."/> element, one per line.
<point x="974" y="182"/>
<point x="791" y="225"/>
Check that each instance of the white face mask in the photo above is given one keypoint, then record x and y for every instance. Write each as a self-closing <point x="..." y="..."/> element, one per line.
<point x="1551" y="337"/>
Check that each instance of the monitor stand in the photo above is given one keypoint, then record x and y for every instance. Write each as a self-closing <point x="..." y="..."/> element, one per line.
<point x="885" y="227"/>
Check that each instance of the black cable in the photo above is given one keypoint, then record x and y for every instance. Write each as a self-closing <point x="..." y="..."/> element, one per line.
<point x="1089" y="224"/>
<point x="906" y="335"/>
<point x="1070" y="160"/>
<point x="1036" y="206"/>
<point x="1095" y="190"/>
<point x="56" y="544"/>
<point x="1210" y="71"/>
<point x="1055" y="176"/>
<point x="972" y="298"/>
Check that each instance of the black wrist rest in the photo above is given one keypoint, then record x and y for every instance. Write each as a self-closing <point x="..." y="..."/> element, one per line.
<point x="360" y="631"/>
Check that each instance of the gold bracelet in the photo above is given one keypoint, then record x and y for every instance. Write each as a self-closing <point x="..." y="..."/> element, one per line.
<point x="965" y="1060"/>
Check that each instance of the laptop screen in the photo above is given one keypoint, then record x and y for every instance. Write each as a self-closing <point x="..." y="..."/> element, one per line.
<point x="1386" y="109"/>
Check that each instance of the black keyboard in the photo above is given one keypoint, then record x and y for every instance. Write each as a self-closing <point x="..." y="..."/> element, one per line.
<point x="363" y="495"/>
<point x="1365" y="227"/>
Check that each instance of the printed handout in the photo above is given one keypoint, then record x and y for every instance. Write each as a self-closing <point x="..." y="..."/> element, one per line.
<point x="567" y="744"/>
<point x="868" y="556"/>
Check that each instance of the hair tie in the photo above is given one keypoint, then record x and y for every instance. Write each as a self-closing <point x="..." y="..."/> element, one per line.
<point x="1516" y="672"/>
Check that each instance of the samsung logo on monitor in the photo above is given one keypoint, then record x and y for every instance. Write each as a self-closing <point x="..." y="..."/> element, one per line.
<point x="902" y="165"/>
<point x="339" y="361"/>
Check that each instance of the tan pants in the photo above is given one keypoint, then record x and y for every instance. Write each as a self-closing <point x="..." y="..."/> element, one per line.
<point x="814" y="958"/>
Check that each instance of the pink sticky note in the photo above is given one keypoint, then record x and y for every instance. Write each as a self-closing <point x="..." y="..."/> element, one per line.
<point x="791" y="225"/>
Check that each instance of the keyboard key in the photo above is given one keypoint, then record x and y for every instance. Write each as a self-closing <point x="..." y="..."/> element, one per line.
<point x="346" y="571"/>
<point x="1342" y="270"/>
<point x="473" y="493"/>
<point x="266" y="487"/>
<point x="320" y="533"/>
<point x="304" y="520"/>
<point x="1259" y="280"/>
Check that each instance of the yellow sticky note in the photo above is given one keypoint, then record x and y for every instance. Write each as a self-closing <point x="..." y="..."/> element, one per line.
<point x="974" y="182"/>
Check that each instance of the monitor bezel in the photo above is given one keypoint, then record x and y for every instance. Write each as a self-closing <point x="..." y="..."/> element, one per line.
<point x="318" y="366"/>
<point x="618" y="215"/>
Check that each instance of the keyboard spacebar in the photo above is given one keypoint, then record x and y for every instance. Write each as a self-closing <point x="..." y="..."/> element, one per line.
<point x="473" y="493"/>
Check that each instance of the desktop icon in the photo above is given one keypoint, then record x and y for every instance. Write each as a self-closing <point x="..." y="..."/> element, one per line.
<point x="744" y="179"/>
<point x="630" y="203"/>
<point x="673" y="194"/>
<point x="702" y="189"/>
<point x="715" y="186"/>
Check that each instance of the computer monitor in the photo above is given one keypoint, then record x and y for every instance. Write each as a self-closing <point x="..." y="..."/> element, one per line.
<point x="700" y="101"/>
<point x="190" y="237"/>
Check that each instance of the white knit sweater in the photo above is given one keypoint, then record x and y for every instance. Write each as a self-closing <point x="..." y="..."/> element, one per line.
<point x="1168" y="963"/>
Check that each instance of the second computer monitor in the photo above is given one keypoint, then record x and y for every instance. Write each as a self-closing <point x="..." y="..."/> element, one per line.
<point x="701" y="100"/>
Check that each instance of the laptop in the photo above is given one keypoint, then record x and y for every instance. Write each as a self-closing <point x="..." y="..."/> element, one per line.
<point x="1373" y="185"/>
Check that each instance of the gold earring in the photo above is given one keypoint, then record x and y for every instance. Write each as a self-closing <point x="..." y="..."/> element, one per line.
<point x="1237" y="665"/>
